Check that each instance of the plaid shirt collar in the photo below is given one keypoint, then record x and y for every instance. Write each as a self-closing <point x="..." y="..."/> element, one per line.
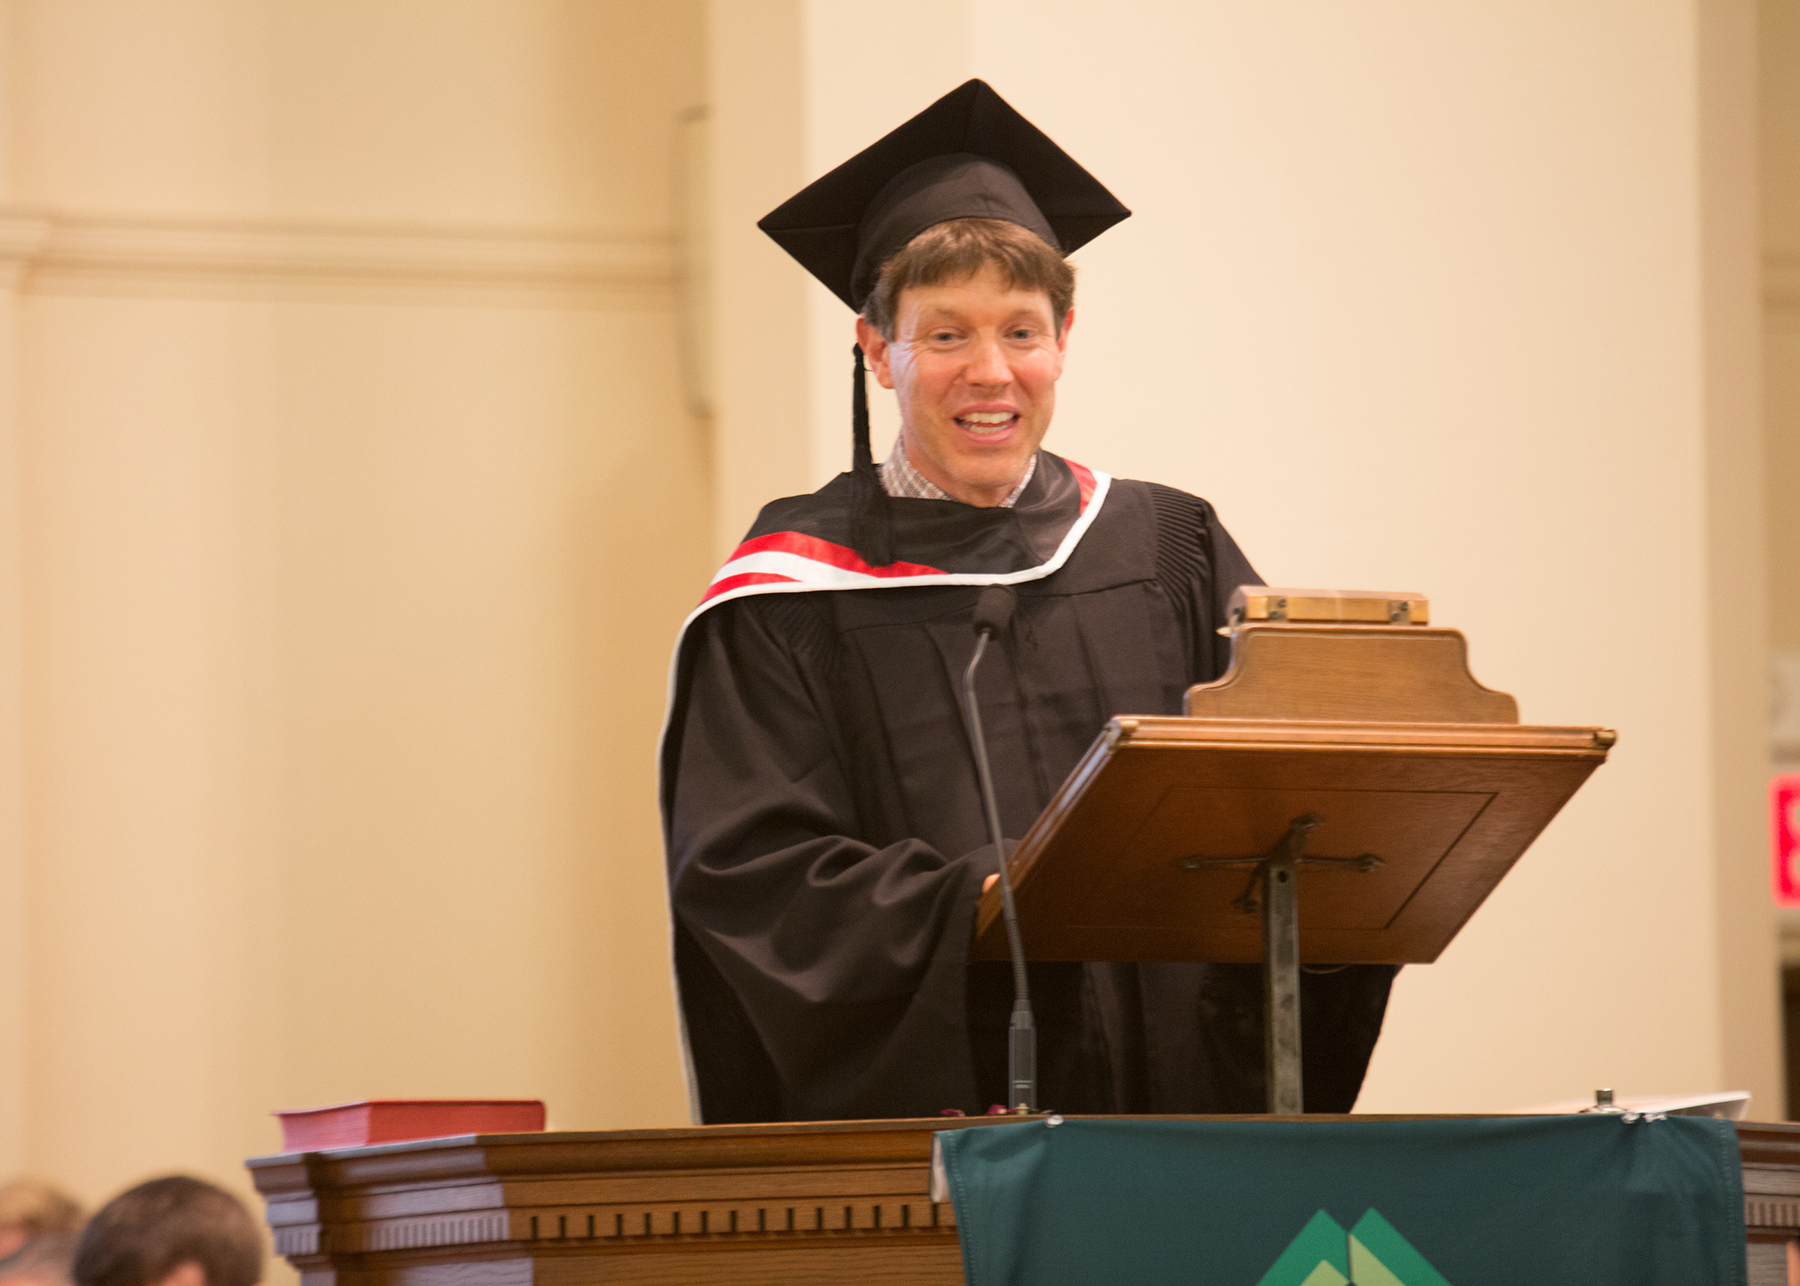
<point x="899" y="478"/>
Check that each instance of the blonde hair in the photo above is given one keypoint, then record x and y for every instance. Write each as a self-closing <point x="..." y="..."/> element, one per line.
<point x="38" y="1208"/>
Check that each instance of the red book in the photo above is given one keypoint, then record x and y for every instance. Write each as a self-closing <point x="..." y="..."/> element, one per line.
<point x="394" y="1120"/>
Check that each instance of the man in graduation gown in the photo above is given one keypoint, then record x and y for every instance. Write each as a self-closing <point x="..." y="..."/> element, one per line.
<point x="825" y="836"/>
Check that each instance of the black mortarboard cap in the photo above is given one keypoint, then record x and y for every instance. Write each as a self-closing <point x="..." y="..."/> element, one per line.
<point x="968" y="155"/>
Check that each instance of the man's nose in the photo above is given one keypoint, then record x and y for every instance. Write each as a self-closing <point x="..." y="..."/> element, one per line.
<point x="988" y="364"/>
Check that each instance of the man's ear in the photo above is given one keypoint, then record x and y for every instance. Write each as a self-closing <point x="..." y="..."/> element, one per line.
<point x="875" y="349"/>
<point x="183" y="1274"/>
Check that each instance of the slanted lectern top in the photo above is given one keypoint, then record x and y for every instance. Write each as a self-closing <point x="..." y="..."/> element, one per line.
<point x="1347" y="767"/>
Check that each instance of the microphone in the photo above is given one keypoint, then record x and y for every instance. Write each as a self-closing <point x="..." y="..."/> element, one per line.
<point x="993" y="612"/>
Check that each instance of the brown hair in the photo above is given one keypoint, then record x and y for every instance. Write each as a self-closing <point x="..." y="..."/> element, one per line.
<point x="961" y="248"/>
<point x="142" y="1235"/>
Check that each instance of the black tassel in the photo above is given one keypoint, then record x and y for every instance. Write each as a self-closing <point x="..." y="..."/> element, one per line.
<point x="862" y="455"/>
<point x="871" y="525"/>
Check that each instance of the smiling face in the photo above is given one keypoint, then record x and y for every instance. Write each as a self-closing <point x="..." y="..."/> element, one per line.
<point x="974" y="364"/>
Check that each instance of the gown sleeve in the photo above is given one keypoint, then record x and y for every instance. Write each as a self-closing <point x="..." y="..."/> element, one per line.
<point x="814" y="967"/>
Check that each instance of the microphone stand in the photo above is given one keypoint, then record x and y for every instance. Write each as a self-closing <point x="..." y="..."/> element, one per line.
<point x="1021" y="1044"/>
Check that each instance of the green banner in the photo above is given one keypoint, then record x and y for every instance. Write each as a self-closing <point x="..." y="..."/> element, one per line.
<point x="1582" y="1200"/>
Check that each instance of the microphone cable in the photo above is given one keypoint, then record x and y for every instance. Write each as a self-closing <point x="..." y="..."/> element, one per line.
<point x="993" y="611"/>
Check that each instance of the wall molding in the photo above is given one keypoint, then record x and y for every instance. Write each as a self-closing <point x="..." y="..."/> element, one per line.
<point x="48" y="252"/>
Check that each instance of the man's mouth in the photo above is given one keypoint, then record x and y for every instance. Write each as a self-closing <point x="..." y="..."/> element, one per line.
<point x="985" y="422"/>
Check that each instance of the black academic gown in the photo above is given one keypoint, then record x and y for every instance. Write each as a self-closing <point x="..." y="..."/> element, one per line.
<point x="826" y="844"/>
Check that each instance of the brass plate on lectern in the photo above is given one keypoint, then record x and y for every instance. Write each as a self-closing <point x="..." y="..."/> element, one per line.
<point x="1447" y="808"/>
<point x="1251" y="603"/>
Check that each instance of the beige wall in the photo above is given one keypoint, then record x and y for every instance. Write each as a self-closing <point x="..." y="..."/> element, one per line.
<point x="1746" y="982"/>
<point x="1779" y="85"/>
<point x="1459" y="298"/>
<point x="349" y="497"/>
<point x="761" y="441"/>
<point x="350" y="504"/>
<point x="1780" y="157"/>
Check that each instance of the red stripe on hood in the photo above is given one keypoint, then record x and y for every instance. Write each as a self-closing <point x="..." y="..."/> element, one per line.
<point x="841" y="556"/>
<point x="823" y="551"/>
<point x="742" y="579"/>
<point x="1084" y="479"/>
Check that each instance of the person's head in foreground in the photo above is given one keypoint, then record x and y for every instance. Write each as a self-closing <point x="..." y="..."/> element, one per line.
<point x="171" y="1232"/>
<point x="42" y="1261"/>
<point x="30" y="1208"/>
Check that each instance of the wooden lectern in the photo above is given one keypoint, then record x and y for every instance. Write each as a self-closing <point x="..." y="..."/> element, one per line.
<point x="1347" y="778"/>
<point x="748" y="1205"/>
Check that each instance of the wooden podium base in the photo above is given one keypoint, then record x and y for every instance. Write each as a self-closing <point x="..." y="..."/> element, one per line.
<point x="785" y="1205"/>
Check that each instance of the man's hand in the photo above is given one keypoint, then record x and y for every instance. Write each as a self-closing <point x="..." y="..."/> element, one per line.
<point x="989" y="882"/>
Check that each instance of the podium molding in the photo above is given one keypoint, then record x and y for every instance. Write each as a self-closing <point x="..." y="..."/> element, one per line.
<point x="702" y="1205"/>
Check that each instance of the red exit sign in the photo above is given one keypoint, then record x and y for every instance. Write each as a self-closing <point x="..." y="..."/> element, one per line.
<point x="1784" y="837"/>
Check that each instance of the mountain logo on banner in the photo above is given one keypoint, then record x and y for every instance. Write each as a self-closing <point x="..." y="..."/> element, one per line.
<point x="1370" y="1254"/>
